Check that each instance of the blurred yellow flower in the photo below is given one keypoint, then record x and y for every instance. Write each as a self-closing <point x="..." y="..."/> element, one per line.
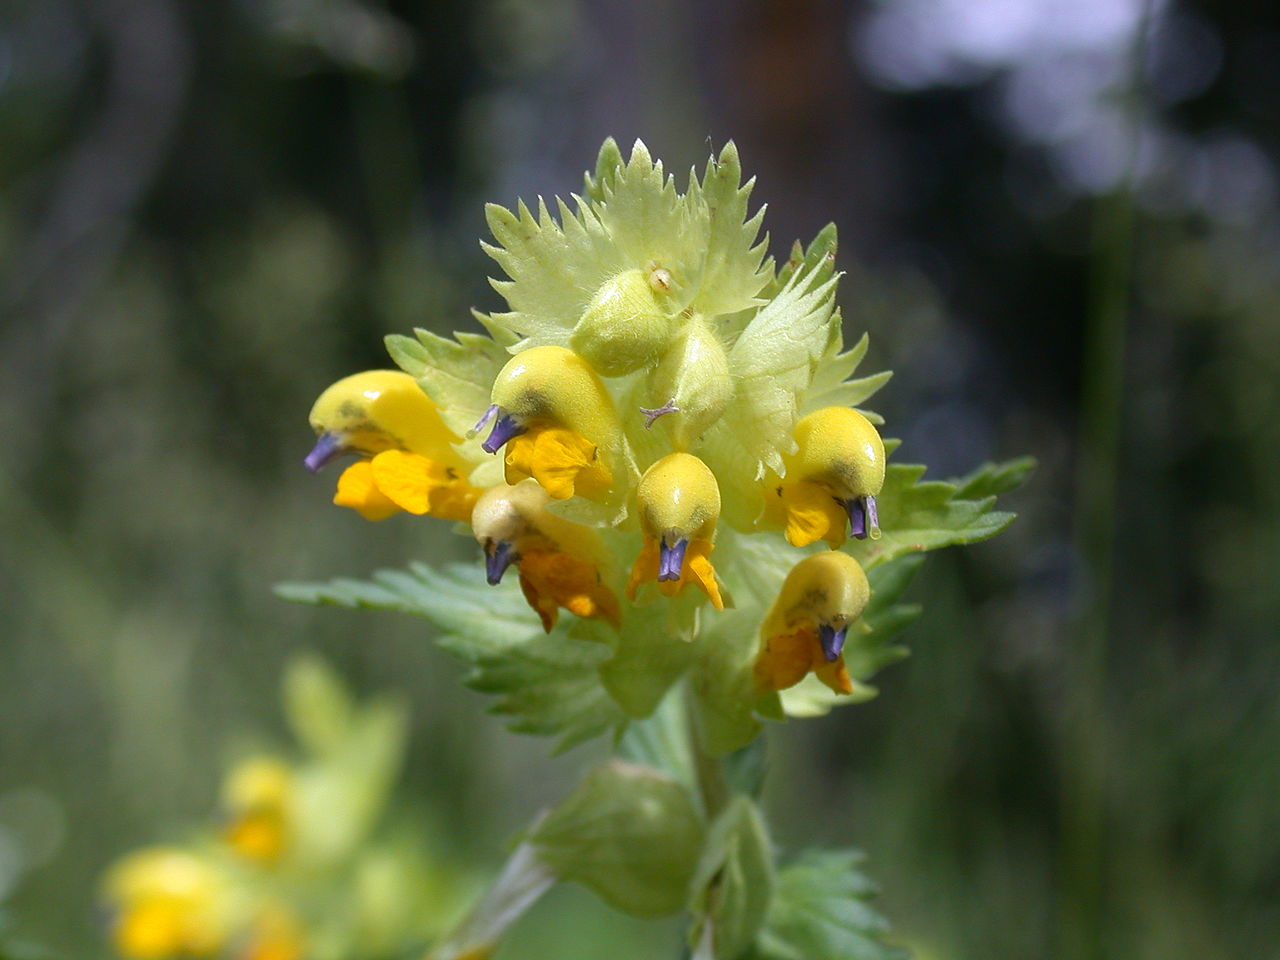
<point x="166" y="902"/>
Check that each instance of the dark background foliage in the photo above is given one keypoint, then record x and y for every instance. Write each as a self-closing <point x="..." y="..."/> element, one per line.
<point x="1064" y="241"/>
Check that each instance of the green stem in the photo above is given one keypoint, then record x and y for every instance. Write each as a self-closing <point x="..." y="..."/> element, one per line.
<point x="713" y="786"/>
<point x="1084" y="771"/>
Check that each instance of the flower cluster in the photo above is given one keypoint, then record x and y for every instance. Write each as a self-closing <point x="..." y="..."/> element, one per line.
<point x="657" y="382"/>
<point x="294" y="867"/>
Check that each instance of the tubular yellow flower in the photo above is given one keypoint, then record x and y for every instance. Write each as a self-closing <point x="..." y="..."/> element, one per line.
<point x="166" y="902"/>
<point x="806" y="626"/>
<point x="832" y="479"/>
<point x="679" y="504"/>
<point x="409" y="463"/>
<point x="256" y="799"/>
<point x="559" y="561"/>
<point x="554" y="415"/>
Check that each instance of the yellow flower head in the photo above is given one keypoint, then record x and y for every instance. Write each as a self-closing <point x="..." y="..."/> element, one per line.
<point x="560" y="562"/>
<point x="679" y="504"/>
<point x="831" y="480"/>
<point x="408" y="459"/>
<point x="166" y="902"/>
<point x="256" y="797"/>
<point x="554" y="415"/>
<point x="805" y="628"/>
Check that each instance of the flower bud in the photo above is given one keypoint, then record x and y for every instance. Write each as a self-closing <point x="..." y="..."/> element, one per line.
<point x="691" y="384"/>
<point x="630" y="834"/>
<point x="627" y="323"/>
<point x="378" y="410"/>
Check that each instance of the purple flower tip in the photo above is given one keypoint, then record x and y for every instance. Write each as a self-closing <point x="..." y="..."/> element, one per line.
<point x="328" y="446"/>
<point x="671" y="559"/>
<point x="504" y="428"/>
<point x="497" y="559"/>
<point x="831" y="641"/>
<point x="864" y="521"/>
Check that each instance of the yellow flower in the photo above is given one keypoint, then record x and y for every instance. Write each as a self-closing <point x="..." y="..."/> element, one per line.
<point x="408" y="458"/>
<point x="550" y="580"/>
<point x="257" y="796"/>
<point x="395" y="480"/>
<point x="166" y="902"/>
<point x="553" y="413"/>
<point x="560" y="562"/>
<point x="679" y="504"/>
<point x="806" y="626"/>
<point x="831" y="480"/>
<point x="562" y="462"/>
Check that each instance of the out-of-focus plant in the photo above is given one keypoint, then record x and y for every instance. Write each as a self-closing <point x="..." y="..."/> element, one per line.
<point x="303" y="859"/>
<point x="658" y="391"/>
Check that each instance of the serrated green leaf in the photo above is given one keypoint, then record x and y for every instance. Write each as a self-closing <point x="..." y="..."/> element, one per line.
<point x="733" y="270"/>
<point x="831" y="386"/>
<point x="547" y="683"/>
<point x="821" y="908"/>
<point x="993" y="479"/>
<point x="734" y="880"/>
<point x="772" y="362"/>
<point x="630" y="834"/>
<point x="457" y="374"/>
<point x="918" y="515"/>
<point x="608" y="162"/>
<point x="554" y="267"/>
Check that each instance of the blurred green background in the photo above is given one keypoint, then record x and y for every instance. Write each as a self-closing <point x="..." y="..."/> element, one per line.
<point x="1065" y="241"/>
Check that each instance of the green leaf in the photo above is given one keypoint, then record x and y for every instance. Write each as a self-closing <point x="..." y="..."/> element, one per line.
<point x="723" y="682"/>
<point x="456" y="374"/>
<point x="918" y="515"/>
<point x="661" y="741"/>
<point x="821" y="908"/>
<point x="993" y="479"/>
<point x="734" y="880"/>
<point x="733" y="269"/>
<point x="343" y="792"/>
<point x="608" y="162"/>
<point x="831" y="386"/>
<point x="547" y="683"/>
<point x="820" y="255"/>
<point x="654" y="648"/>
<point x="316" y="704"/>
<point x="630" y="834"/>
<point x="772" y="362"/>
